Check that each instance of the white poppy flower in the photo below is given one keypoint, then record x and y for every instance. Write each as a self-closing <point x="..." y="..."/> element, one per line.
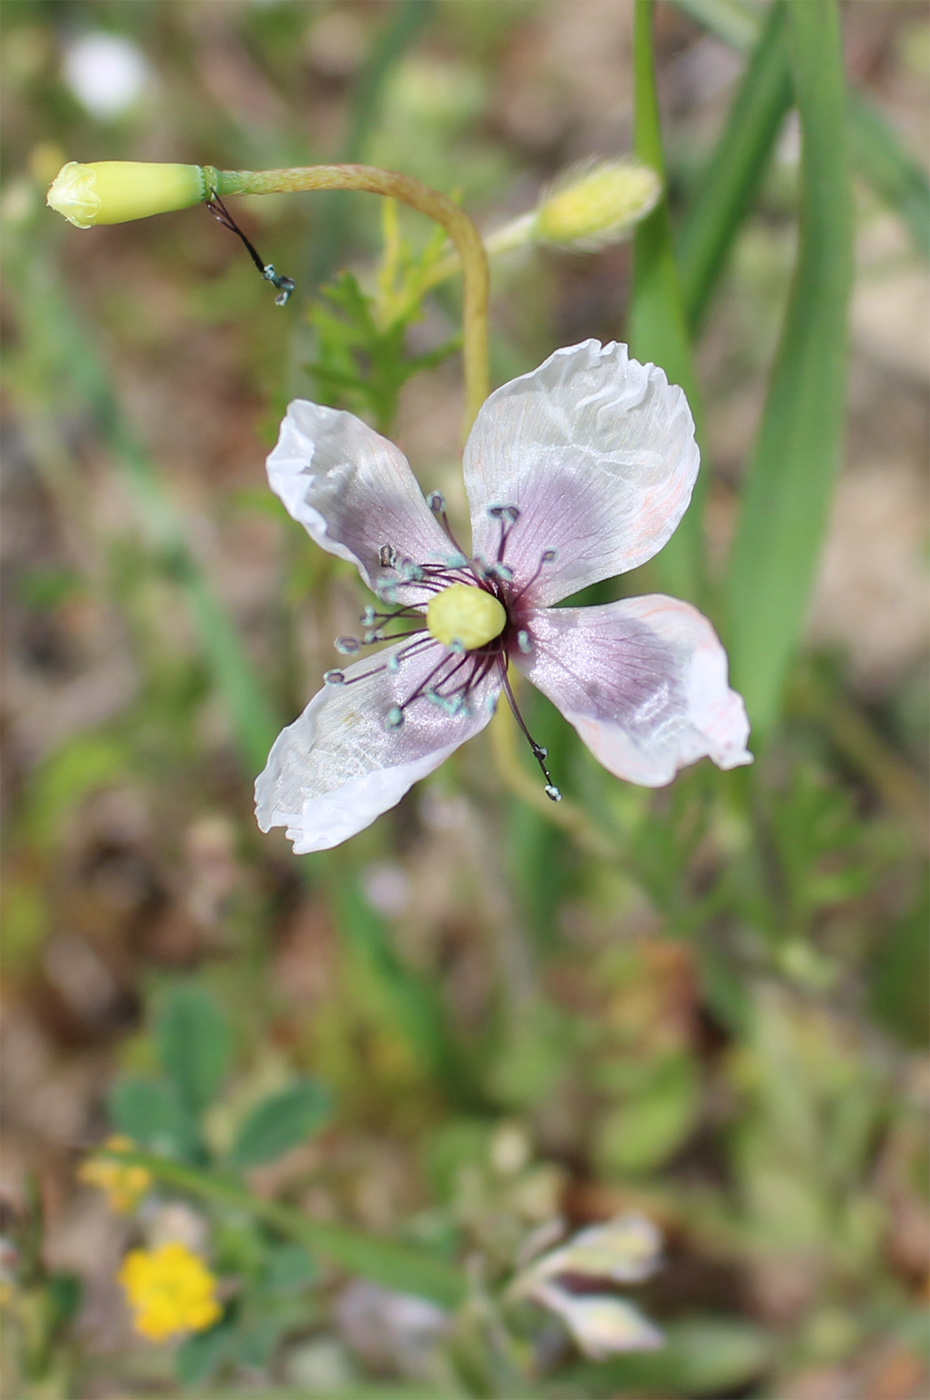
<point x="575" y="472"/>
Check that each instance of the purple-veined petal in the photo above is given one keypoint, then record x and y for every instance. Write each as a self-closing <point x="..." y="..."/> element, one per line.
<point x="352" y="490"/>
<point x="644" y="682"/>
<point x="340" y="765"/>
<point x="597" y="452"/>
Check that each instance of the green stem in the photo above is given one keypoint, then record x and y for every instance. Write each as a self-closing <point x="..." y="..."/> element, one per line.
<point x="460" y="228"/>
<point x="566" y="815"/>
<point x="393" y="1265"/>
<point x="656" y="324"/>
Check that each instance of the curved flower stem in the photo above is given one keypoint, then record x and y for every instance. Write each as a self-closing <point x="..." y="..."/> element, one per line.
<point x="460" y="228"/>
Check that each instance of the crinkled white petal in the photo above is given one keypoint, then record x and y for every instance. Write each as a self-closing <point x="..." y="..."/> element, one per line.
<point x="598" y="453"/>
<point x="644" y="682"/>
<point x="340" y="765"/>
<point x="352" y="490"/>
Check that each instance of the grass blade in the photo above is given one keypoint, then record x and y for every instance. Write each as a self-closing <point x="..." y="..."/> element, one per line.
<point x="878" y="154"/>
<point x="789" y="484"/>
<point x="71" y="361"/>
<point x="882" y="160"/>
<point x="401" y="28"/>
<point x="736" y="168"/>
<point x="657" y="329"/>
<point x="397" y="1266"/>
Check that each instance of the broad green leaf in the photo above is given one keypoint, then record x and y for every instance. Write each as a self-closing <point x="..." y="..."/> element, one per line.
<point x="199" y="1356"/>
<point x="734" y="172"/>
<point x="643" y="1132"/>
<point x="291" y="1268"/>
<point x="790" y="478"/>
<point x="281" y="1122"/>
<point x="151" y="1114"/>
<point x="657" y="329"/>
<point x="194" y="1043"/>
<point x="878" y="153"/>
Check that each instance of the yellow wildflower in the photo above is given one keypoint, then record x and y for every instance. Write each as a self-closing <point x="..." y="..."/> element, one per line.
<point x="170" y="1291"/>
<point x="124" y="1185"/>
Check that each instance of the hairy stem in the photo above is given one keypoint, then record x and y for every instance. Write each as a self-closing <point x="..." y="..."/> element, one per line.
<point x="460" y="228"/>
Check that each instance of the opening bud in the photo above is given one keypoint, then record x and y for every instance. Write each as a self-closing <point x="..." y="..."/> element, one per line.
<point x="115" y="191"/>
<point x="593" y="205"/>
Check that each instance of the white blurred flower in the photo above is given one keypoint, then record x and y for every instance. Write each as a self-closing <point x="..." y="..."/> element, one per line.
<point x="106" y="72"/>
<point x="600" y="1325"/>
<point x="625" y="1250"/>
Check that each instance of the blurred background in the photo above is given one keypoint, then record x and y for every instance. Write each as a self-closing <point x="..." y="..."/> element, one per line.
<point x="719" y="1019"/>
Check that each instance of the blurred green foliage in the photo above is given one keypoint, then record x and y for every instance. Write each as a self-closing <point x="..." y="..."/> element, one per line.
<point x="402" y="1061"/>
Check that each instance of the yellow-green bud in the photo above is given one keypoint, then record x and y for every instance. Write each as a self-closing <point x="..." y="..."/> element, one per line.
<point x="114" y="191"/>
<point x="594" y="205"/>
<point x="465" y="616"/>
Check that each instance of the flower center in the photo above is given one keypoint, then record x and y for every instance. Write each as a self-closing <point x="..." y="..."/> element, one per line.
<point x="464" y="617"/>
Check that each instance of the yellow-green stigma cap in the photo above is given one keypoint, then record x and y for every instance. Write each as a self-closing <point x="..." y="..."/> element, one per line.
<point x="115" y="191"/>
<point x="465" y="616"/>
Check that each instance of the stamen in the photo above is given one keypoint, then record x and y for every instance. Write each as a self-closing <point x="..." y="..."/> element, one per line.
<point x="334" y="677"/>
<point x="548" y="556"/>
<point x="349" y="646"/>
<point x="524" y="641"/>
<point x="421" y="637"/>
<point x="395" y="717"/>
<point x="437" y="504"/>
<point x="507" y="517"/>
<point x="284" y="285"/>
<point x="539" y="753"/>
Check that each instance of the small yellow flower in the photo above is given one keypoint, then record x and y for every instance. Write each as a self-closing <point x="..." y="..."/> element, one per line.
<point x="170" y="1291"/>
<point x="124" y="1185"/>
<point x="114" y="191"/>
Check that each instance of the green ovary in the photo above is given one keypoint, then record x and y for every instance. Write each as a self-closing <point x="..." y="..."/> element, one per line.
<point x="466" y="617"/>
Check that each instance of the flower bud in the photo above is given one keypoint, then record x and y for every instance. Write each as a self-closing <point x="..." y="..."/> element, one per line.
<point x="593" y="205"/>
<point x="114" y="191"/>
